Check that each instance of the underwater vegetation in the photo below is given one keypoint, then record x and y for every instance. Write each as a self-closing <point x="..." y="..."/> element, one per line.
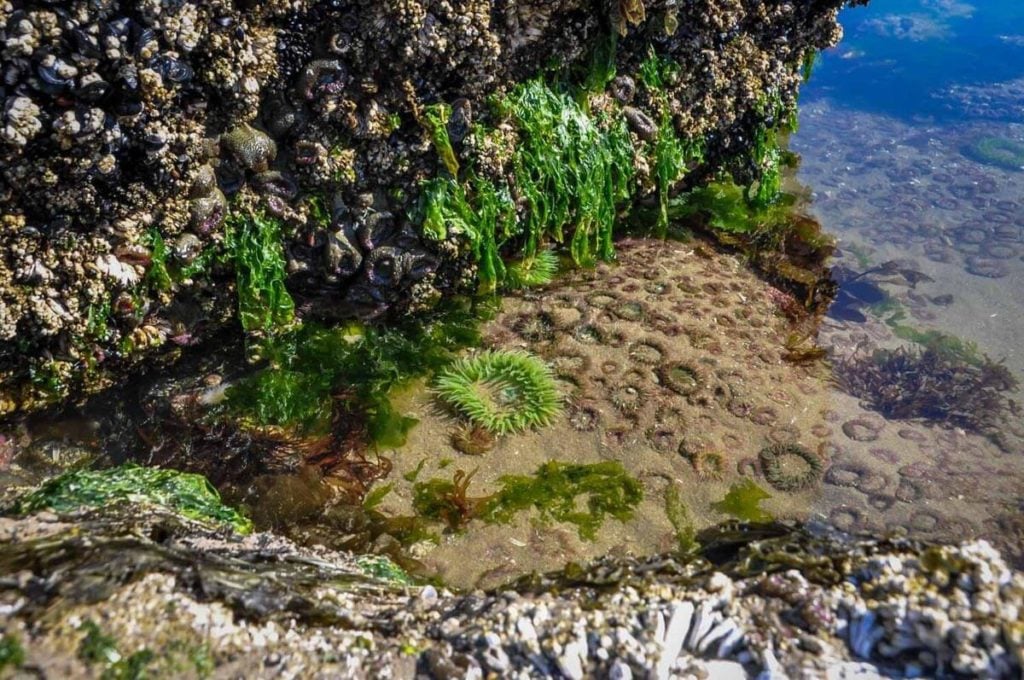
<point x="929" y="384"/>
<point x="682" y="523"/>
<point x="1000" y="152"/>
<point x="502" y="392"/>
<point x="582" y="495"/>
<point x="189" y="495"/>
<point x="313" y="372"/>
<point x="743" y="501"/>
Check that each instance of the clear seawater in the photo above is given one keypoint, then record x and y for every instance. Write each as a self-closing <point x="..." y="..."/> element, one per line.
<point x="890" y="126"/>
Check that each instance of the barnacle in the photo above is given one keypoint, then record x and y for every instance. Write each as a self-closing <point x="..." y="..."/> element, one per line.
<point x="789" y="467"/>
<point x="502" y="392"/>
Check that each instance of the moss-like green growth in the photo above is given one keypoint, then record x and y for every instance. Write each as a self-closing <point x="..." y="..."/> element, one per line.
<point x="96" y="646"/>
<point x="99" y="648"/>
<point x="486" y="223"/>
<point x="679" y="517"/>
<point x="744" y="502"/>
<point x="435" y="119"/>
<point x="582" y="495"/>
<point x="382" y="568"/>
<point x="572" y="171"/>
<point x="157" y="275"/>
<point x="557" y="489"/>
<point x="997" y="151"/>
<point x="264" y="305"/>
<point x="11" y="652"/>
<point x="313" y="372"/>
<point x="501" y="391"/>
<point x="189" y="495"/>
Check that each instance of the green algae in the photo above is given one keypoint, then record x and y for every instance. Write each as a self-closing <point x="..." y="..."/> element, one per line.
<point x="99" y="648"/>
<point x="999" y="152"/>
<point x="435" y="119"/>
<point x="12" y="654"/>
<point x="189" y="495"/>
<point x="682" y="523"/>
<point x="264" y="304"/>
<point x="571" y="169"/>
<point x="743" y="501"/>
<point x="383" y="569"/>
<point x="581" y="495"/>
<point x="313" y="371"/>
<point x="157" y="276"/>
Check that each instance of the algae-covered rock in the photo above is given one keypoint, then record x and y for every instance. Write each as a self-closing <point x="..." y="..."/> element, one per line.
<point x="189" y="495"/>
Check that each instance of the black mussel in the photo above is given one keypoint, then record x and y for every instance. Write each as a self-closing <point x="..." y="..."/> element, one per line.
<point x="116" y="28"/>
<point x="93" y="91"/>
<point x="86" y="44"/>
<point x="143" y="39"/>
<point x="225" y="21"/>
<point x="171" y="69"/>
<point x="50" y="80"/>
<point x="127" y="78"/>
<point x="461" y="121"/>
<point x="154" y="141"/>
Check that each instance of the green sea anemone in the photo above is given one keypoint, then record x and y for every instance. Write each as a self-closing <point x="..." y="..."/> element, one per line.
<point x="530" y="272"/>
<point x="502" y="392"/>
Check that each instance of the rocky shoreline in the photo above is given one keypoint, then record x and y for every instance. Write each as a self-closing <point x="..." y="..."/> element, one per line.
<point x="176" y="598"/>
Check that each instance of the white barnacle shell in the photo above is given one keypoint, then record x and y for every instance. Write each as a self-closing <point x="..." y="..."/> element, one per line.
<point x="124" y="274"/>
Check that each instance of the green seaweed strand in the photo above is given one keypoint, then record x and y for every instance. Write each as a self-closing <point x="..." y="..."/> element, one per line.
<point x="264" y="304"/>
<point x="435" y="119"/>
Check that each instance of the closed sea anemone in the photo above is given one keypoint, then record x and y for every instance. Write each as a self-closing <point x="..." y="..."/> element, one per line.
<point x="501" y="391"/>
<point x="789" y="467"/>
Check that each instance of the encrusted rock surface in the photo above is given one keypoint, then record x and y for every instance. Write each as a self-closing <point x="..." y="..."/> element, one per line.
<point x="132" y="128"/>
<point x="772" y="602"/>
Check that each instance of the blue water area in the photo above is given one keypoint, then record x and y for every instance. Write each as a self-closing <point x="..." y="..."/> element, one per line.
<point x="897" y="54"/>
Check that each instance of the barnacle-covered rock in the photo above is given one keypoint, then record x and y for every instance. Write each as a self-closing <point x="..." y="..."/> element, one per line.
<point x="125" y="124"/>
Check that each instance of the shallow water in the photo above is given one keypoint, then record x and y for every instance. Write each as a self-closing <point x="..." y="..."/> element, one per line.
<point x="678" y="370"/>
<point x="890" y="126"/>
